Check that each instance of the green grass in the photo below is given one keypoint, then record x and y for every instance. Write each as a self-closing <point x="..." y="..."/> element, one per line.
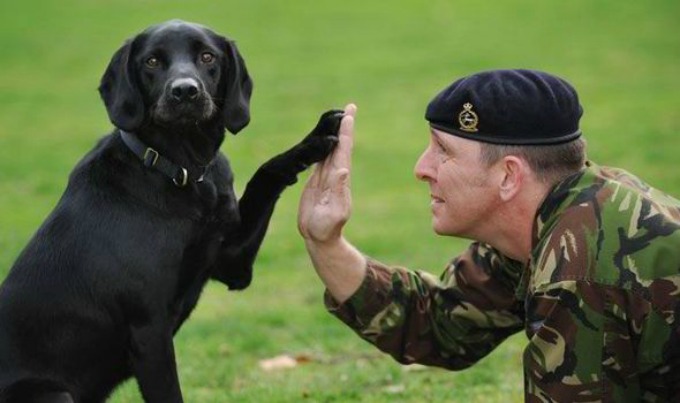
<point x="307" y="56"/>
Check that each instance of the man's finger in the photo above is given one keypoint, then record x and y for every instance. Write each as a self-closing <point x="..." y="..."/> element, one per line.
<point x="345" y="134"/>
<point x="314" y="180"/>
<point x="323" y="168"/>
<point x="342" y="157"/>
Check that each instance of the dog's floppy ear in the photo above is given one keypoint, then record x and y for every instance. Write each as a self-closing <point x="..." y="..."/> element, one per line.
<point x="237" y="89"/>
<point x="120" y="92"/>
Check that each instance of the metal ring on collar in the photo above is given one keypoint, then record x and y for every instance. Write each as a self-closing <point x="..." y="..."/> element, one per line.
<point x="183" y="180"/>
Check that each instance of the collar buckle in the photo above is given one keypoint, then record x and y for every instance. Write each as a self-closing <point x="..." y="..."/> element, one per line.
<point x="150" y="157"/>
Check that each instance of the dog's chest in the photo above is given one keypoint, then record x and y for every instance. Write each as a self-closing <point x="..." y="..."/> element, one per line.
<point x="218" y="221"/>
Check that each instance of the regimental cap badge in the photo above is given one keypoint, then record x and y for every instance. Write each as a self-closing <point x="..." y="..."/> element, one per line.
<point x="468" y="119"/>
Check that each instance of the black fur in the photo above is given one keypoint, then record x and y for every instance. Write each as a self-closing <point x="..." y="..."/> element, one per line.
<point x="100" y="290"/>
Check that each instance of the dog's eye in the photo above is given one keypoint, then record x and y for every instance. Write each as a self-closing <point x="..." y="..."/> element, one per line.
<point x="207" y="57"/>
<point x="152" y="62"/>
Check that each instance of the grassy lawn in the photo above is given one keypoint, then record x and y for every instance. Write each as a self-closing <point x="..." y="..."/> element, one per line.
<point x="305" y="57"/>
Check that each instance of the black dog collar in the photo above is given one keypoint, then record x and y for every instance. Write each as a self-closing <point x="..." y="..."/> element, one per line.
<point x="153" y="159"/>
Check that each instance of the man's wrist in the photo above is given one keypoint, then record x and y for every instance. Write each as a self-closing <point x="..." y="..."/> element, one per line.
<point x="325" y="246"/>
<point x="340" y="266"/>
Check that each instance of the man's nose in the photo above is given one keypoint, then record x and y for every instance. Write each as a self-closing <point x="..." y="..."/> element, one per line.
<point x="423" y="169"/>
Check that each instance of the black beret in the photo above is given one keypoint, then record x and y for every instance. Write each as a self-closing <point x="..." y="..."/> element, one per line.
<point x="513" y="107"/>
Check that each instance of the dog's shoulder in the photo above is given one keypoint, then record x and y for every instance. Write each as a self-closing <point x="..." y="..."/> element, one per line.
<point x="103" y="160"/>
<point x="110" y="174"/>
<point x="220" y="171"/>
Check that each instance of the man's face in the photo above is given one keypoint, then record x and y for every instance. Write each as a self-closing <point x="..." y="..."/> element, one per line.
<point x="462" y="194"/>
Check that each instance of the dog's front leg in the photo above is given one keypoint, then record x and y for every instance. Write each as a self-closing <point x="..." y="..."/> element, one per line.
<point x="262" y="191"/>
<point x="152" y="356"/>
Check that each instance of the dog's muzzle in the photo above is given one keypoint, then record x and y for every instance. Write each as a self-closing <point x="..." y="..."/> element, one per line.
<point x="184" y="99"/>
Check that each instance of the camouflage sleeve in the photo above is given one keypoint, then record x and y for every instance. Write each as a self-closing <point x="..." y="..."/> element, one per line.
<point x="450" y="322"/>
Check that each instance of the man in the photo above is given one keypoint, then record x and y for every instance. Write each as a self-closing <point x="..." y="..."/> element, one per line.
<point x="585" y="259"/>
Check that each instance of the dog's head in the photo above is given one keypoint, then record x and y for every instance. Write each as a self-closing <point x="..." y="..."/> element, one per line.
<point x="177" y="73"/>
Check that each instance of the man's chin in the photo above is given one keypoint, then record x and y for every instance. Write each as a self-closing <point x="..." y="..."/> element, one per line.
<point x="438" y="228"/>
<point x="442" y="230"/>
<point x="443" y="233"/>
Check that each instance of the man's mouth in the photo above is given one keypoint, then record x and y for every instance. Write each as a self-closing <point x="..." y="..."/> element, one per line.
<point x="436" y="200"/>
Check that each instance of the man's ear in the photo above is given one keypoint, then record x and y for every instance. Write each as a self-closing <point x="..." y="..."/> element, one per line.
<point x="513" y="174"/>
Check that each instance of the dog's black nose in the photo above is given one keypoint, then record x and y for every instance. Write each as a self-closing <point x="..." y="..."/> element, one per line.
<point x="184" y="89"/>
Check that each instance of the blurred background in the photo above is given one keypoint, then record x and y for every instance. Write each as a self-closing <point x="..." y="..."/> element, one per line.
<point x="305" y="56"/>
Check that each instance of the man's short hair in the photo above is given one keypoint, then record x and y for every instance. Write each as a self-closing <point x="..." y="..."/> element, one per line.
<point x="550" y="163"/>
<point x="528" y="113"/>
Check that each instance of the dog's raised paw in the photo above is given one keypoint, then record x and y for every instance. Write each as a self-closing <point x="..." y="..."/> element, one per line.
<point x="324" y="137"/>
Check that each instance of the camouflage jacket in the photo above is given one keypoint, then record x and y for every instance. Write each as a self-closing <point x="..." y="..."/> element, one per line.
<point x="598" y="300"/>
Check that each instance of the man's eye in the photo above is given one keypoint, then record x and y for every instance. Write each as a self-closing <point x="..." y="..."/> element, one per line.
<point x="207" y="57"/>
<point x="152" y="62"/>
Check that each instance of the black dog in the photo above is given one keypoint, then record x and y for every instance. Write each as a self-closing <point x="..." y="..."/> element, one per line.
<point x="148" y="216"/>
